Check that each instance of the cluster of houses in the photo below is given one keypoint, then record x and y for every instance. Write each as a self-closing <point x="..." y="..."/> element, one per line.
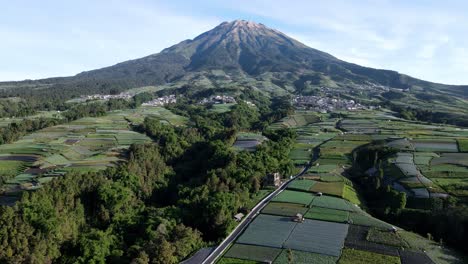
<point x="106" y="96"/>
<point x="161" y="101"/>
<point x="326" y="104"/>
<point x="218" y="99"/>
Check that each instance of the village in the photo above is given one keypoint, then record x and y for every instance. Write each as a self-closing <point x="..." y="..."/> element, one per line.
<point x="107" y="96"/>
<point x="326" y="104"/>
<point x="161" y="101"/>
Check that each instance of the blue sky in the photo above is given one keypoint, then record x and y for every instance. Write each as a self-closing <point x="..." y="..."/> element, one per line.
<point x="424" y="39"/>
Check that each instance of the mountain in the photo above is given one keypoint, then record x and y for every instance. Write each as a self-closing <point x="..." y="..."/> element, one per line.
<point x="247" y="54"/>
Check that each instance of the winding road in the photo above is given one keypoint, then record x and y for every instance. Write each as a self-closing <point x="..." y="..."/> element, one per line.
<point x="218" y="251"/>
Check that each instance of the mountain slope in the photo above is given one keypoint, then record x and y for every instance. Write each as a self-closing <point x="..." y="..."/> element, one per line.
<point x="243" y="49"/>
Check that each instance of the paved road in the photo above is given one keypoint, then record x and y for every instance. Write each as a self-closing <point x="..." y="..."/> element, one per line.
<point x="250" y="216"/>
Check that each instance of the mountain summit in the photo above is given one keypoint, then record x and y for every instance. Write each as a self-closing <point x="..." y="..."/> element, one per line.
<point x="250" y="54"/>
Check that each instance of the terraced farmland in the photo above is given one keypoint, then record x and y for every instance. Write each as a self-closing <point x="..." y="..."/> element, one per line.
<point x="87" y="144"/>
<point x="335" y="228"/>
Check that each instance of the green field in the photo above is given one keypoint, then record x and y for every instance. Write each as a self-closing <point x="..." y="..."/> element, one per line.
<point x="301" y="257"/>
<point x="354" y="256"/>
<point x="260" y="231"/>
<point x="330" y="188"/>
<point x="87" y="144"/>
<point x="236" y="261"/>
<point x="332" y="203"/>
<point x="250" y="252"/>
<point x="301" y="185"/>
<point x="463" y="145"/>
<point x="361" y="218"/>
<point x="284" y="209"/>
<point x="385" y="237"/>
<point x="294" y="197"/>
<point x="326" y="214"/>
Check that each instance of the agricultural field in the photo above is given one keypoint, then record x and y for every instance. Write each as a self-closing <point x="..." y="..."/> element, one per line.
<point x="221" y="108"/>
<point x="251" y="252"/>
<point x="354" y="256"/>
<point x="426" y="163"/>
<point x="260" y="232"/>
<point x="284" y="209"/>
<point x="463" y="145"/>
<point x="87" y="144"/>
<point x="301" y="185"/>
<point x="326" y="214"/>
<point x="40" y="114"/>
<point x="288" y="196"/>
<point x="301" y="257"/>
<point x="248" y="141"/>
<point x="318" y="237"/>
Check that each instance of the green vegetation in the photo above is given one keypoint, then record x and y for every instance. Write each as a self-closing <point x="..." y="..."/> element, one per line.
<point x="463" y="145"/>
<point x="301" y="185"/>
<point x="259" y="232"/>
<point x="294" y="197"/>
<point x="332" y="203"/>
<point x="354" y="256"/>
<point x="169" y="198"/>
<point x="284" y="209"/>
<point x="301" y="257"/>
<point x="236" y="261"/>
<point x="250" y="252"/>
<point x="386" y="237"/>
<point x="326" y="214"/>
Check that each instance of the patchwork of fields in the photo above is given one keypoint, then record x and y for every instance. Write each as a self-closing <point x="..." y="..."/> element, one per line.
<point x="87" y="144"/>
<point x="335" y="229"/>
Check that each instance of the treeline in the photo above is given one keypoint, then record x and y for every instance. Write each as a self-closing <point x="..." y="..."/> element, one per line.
<point x="445" y="219"/>
<point x="17" y="129"/>
<point x="172" y="197"/>
<point x="15" y="108"/>
<point x="430" y="116"/>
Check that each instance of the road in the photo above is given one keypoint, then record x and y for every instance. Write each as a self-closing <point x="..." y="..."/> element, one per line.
<point x="250" y="216"/>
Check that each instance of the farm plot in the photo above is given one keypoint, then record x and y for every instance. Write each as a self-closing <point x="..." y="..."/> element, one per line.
<point x="326" y="214"/>
<point x="339" y="148"/>
<point x="424" y="158"/>
<point x="455" y="186"/>
<point x="251" y="252"/>
<point x="284" y="209"/>
<point x="87" y="144"/>
<point x="446" y="170"/>
<point x="357" y="239"/>
<point x="362" y="218"/>
<point x="463" y="145"/>
<point x="330" y="188"/>
<point x="267" y="230"/>
<point x="438" y="254"/>
<point x="326" y="168"/>
<point x="413" y="257"/>
<point x="385" y="237"/>
<point x="401" y="144"/>
<point x="451" y="158"/>
<point x="236" y="261"/>
<point x="354" y="256"/>
<point x="435" y="145"/>
<point x="332" y="203"/>
<point x="301" y="184"/>
<point x="221" y="108"/>
<point x="294" y="197"/>
<point x="12" y="167"/>
<point x="318" y="236"/>
<point x="301" y="257"/>
<point x="248" y="141"/>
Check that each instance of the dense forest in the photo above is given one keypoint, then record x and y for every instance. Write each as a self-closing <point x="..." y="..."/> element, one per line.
<point x="444" y="220"/>
<point x="173" y="196"/>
